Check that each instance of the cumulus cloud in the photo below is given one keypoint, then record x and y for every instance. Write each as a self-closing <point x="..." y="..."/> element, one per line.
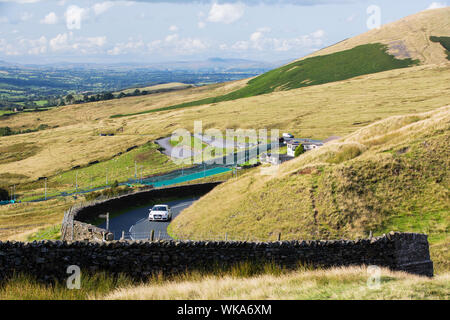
<point x="35" y="46"/>
<point x="102" y="7"/>
<point x="436" y="5"/>
<point x="50" y="18"/>
<point x="67" y="42"/>
<point x="171" y="44"/>
<point x="226" y="13"/>
<point x="260" y="40"/>
<point x="128" y="47"/>
<point x="25" y="16"/>
<point x="173" y="28"/>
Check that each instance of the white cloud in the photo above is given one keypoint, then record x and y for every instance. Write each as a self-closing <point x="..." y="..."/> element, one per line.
<point x="226" y="13"/>
<point x="129" y="47"/>
<point x="25" y="16"/>
<point x="259" y="40"/>
<point x="100" y="8"/>
<point x="60" y="42"/>
<point x="37" y="46"/>
<point x="318" y="34"/>
<point x="21" y="1"/>
<point x="201" y="24"/>
<point x="172" y="37"/>
<point x="437" y="5"/>
<point x="50" y="18"/>
<point x="67" y="42"/>
<point x="173" y="28"/>
<point x="175" y="44"/>
<point x="74" y="15"/>
<point x="351" y="18"/>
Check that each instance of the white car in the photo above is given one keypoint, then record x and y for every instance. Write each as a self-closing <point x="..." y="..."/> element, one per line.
<point x="160" y="212"/>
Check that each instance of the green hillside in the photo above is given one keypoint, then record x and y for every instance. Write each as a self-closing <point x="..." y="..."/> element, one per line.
<point x="392" y="175"/>
<point x="361" y="60"/>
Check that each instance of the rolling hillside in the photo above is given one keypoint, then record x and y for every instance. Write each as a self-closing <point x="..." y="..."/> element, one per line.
<point x="418" y="39"/>
<point x="391" y="175"/>
<point x="405" y="38"/>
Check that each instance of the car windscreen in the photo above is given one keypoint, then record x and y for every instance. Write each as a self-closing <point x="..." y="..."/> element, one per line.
<point x="159" y="208"/>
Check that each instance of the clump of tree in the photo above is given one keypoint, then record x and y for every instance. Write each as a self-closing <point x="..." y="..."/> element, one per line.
<point x="7" y="131"/>
<point x="299" y="151"/>
<point x="4" y="194"/>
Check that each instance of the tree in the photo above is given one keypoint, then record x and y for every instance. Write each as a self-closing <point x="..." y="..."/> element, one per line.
<point x="300" y="150"/>
<point x="4" y="194"/>
<point x="6" y="131"/>
<point x="69" y="98"/>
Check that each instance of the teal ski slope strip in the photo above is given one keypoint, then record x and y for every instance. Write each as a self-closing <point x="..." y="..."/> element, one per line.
<point x="189" y="177"/>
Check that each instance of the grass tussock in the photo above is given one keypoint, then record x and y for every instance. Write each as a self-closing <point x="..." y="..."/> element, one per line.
<point x="23" y="287"/>
<point x="244" y="281"/>
<point x="338" y="283"/>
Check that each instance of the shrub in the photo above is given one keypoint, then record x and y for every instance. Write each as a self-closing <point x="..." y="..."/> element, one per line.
<point x="300" y="150"/>
<point x="344" y="154"/>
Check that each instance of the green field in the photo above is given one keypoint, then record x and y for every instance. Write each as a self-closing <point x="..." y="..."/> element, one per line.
<point x="145" y="160"/>
<point x="361" y="60"/>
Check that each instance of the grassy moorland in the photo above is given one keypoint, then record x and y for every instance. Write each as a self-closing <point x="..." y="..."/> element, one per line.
<point x="318" y="112"/>
<point x="391" y="175"/>
<point x="361" y="60"/>
<point x="406" y="38"/>
<point x="241" y="282"/>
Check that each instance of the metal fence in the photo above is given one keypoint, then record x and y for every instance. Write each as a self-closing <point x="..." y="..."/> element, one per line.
<point x="163" y="235"/>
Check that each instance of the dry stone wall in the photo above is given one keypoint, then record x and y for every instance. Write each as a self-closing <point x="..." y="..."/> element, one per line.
<point x="48" y="260"/>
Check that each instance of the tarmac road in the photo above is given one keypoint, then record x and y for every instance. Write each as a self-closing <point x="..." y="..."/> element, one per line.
<point x="136" y="225"/>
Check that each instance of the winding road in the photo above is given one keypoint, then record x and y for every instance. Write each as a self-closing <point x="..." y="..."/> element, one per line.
<point x="136" y="225"/>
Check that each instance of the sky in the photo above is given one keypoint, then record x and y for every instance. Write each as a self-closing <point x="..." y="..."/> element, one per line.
<point x="149" y="31"/>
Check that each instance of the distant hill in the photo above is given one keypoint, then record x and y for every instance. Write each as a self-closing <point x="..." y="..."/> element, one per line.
<point x="209" y="65"/>
<point x="418" y="39"/>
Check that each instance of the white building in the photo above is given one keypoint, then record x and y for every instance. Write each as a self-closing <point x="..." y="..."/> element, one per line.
<point x="308" y="144"/>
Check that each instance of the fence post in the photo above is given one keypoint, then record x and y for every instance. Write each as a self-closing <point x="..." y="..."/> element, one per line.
<point x="123" y="235"/>
<point x="279" y="236"/>
<point x="226" y="236"/>
<point x="152" y="235"/>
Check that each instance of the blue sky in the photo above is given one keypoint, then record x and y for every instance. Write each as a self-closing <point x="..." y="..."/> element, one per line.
<point x="43" y="31"/>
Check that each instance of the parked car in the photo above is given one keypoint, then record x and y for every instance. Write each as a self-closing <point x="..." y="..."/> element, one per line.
<point x="160" y="212"/>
